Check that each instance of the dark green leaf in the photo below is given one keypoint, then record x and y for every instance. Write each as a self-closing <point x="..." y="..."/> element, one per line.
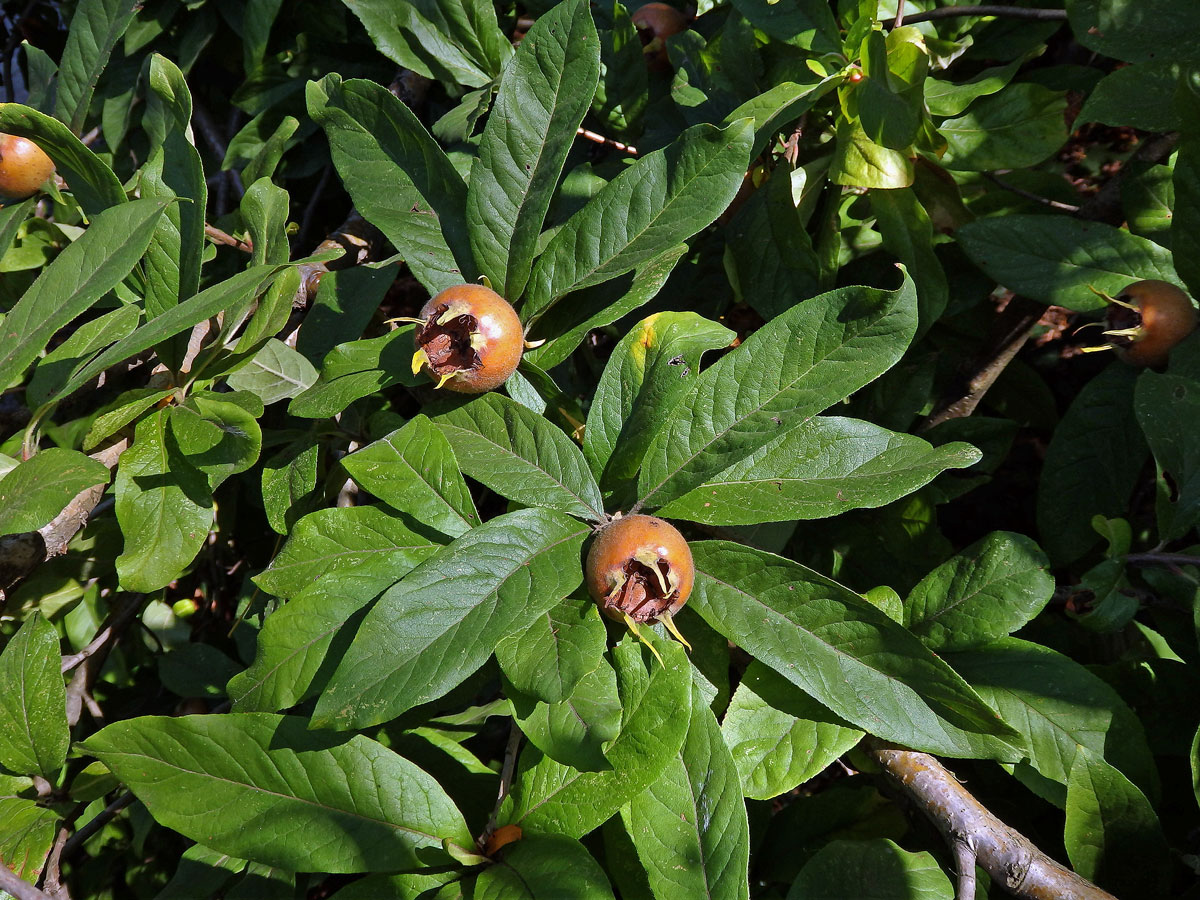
<point x="987" y="591"/>
<point x="96" y="26"/>
<point x="40" y="488"/>
<point x="779" y="736"/>
<point x="246" y="784"/>
<point x="356" y="369"/>
<point x="1020" y="126"/>
<point x="520" y="455"/>
<point x="83" y="273"/>
<point x="34" y="734"/>
<point x="1136" y="30"/>
<point x="556" y="651"/>
<point x="821" y="468"/>
<point x="397" y="175"/>
<point x="442" y="622"/>
<point x="808" y="24"/>
<point x="796" y="365"/>
<point x="690" y="826"/>
<point x="544" y="867"/>
<point x="576" y="730"/>
<point x="662" y="199"/>
<point x="414" y="470"/>
<point x="841" y="650"/>
<point x="55" y="367"/>
<point x="1137" y="96"/>
<point x="543" y="96"/>
<point x="875" y="868"/>
<point x="1112" y="835"/>
<point x="1167" y="408"/>
<point x="1056" y="258"/>
<point x="289" y="483"/>
<point x="908" y="235"/>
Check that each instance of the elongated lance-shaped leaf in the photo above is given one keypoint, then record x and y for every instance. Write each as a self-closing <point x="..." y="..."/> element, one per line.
<point x="850" y="656"/>
<point x="544" y="93"/>
<point x="544" y="866"/>
<point x="398" y="176"/>
<point x="39" y="488"/>
<point x="801" y="362"/>
<point x="249" y="783"/>
<point x="548" y="796"/>
<point x="204" y="305"/>
<point x="94" y="184"/>
<point x="828" y="465"/>
<point x="414" y="470"/>
<point x="662" y="199"/>
<point x="34" y="734"/>
<point x="83" y="273"/>
<point x="442" y="622"/>
<point x="96" y="26"/>
<point x="520" y="455"/>
<point x="690" y="826"/>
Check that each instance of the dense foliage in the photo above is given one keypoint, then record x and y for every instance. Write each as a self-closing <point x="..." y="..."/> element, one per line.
<point x="280" y="618"/>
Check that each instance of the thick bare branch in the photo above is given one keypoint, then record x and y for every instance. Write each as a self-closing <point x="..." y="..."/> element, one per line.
<point x="19" y="887"/>
<point x="1010" y="858"/>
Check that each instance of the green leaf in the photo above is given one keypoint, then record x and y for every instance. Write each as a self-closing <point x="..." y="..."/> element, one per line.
<point x="908" y="235"/>
<point x="83" y="273"/>
<point x="1020" y="126"/>
<point x="55" y="367"/>
<point x="824" y="467"/>
<point x="566" y="324"/>
<point x="96" y="26"/>
<point x="549" y="797"/>
<point x="1112" y="835"/>
<point x="549" y="658"/>
<point x="164" y="507"/>
<point x="1055" y="258"/>
<point x="543" y="96"/>
<point x="1136" y="30"/>
<point x="362" y="548"/>
<point x="1164" y="405"/>
<point x="843" y="651"/>
<point x="948" y="98"/>
<point x="414" y="470"/>
<point x="807" y="24"/>
<point x="1059" y="706"/>
<point x="27" y="832"/>
<point x="520" y="455"/>
<point x="662" y="199"/>
<point x="650" y="369"/>
<point x="276" y="372"/>
<point x="449" y="40"/>
<point x="779" y="736"/>
<point x="1092" y="464"/>
<point x="986" y="592"/>
<point x="860" y="162"/>
<point x="116" y="415"/>
<point x="1184" y="230"/>
<point x="93" y="183"/>
<point x="690" y="826"/>
<point x="356" y="369"/>
<point x="544" y="867"/>
<point x="335" y="562"/>
<point x="1138" y="96"/>
<point x="397" y="175"/>
<point x="37" y="490"/>
<point x="782" y="103"/>
<point x="264" y="209"/>
<point x="217" y="435"/>
<point x="248" y="783"/>
<point x="343" y="308"/>
<point x="875" y="868"/>
<point x="576" y="730"/>
<point x="442" y="622"/>
<point x="789" y="370"/>
<point x="289" y="483"/>
<point x="34" y="734"/>
<point x="204" y="305"/>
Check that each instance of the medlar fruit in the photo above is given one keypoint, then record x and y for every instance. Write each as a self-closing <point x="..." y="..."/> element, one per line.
<point x="24" y="168"/>
<point x="469" y="338"/>
<point x="1146" y="320"/>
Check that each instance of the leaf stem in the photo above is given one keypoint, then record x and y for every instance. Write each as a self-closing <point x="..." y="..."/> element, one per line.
<point x="990" y="9"/>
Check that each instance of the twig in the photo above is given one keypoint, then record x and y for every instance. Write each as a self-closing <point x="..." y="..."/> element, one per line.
<point x="310" y="208"/>
<point x="956" y="12"/>
<point x="899" y="20"/>
<point x="19" y="887"/>
<point x="606" y="141"/>
<point x="109" y="633"/>
<point x="1029" y="195"/>
<point x="1010" y="858"/>
<point x="964" y="859"/>
<point x="101" y="819"/>
<point x="506" y="774"/>
<point x="1162" y="559"/>
<point x="217" y="236"/>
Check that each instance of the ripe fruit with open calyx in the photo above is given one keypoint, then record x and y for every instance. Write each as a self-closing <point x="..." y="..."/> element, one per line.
<point x="655" y="22"/>
<point x="24" y="168"/>
<point x="640" y="570"/>
<point x="468" y="338"/>
<point x="1146" y="320"/>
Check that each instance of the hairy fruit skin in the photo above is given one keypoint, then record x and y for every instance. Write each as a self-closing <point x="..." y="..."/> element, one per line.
<point x="1163" y="317"/>
<point x="471" y="338"/>
<point x="621" y="569"/>
<point x="24" y="168"/>
<point x="655" y="22"/>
